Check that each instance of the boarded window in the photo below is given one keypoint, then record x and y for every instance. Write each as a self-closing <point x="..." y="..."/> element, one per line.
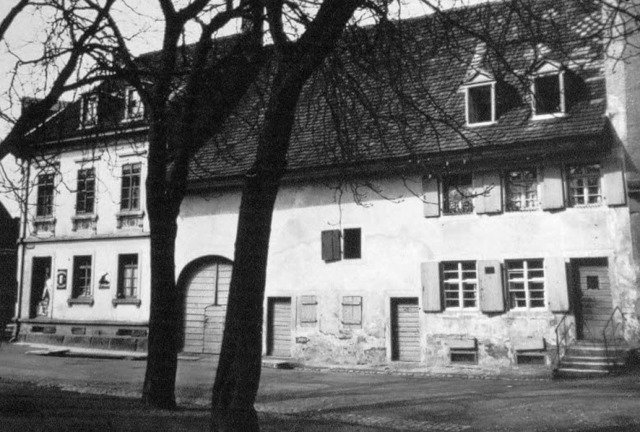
<point x="308" y="311"/>
<point x="352" y="242"/>
<point x="352" y="311"/>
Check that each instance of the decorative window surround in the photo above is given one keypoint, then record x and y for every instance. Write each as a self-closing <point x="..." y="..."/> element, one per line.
<point x="84" y="222"/>
<point x="126" y="301"/>
<point x="44" y="224"/>
<point x="480" y="99"/>
<point x="130" y="219"/>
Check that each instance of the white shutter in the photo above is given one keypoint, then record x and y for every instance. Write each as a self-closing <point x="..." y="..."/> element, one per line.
<point x="490" y="286"/>
<point x="431" y="291"/>
<point x="613" y="189"/>
<point x="493" y="196"/>
<point x="552" y="188"/>
<point x="431" y="197"/>
<point x="556" y="288"/>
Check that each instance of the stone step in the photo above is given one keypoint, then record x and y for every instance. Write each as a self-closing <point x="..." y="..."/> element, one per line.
<point x="589" y="365"/>
<point x="566" y="372"/>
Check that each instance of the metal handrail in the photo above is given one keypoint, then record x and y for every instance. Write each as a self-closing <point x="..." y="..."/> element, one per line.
<point x="562" y="342"/>
<point x="615" y="326"/>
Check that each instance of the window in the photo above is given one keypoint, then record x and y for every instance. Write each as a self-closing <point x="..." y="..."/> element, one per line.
<point x="548" y="94"/>
<point x="522" y="190"/>
<point x="460" y="282"/>
<point x="81" y="276"/>
<point x="352" y="244"/>
<point x="337" y="245"/>
<point x="128" y="276"/>
<point x="89" y="111"/>
<point x="526" y="283"/>
<point x="308" y="306"/>
<point x="44" y="206"/>
<point x="352" y="311"/>
<point x="134" y="110"/>
<point x="480" y="104"/>
<point x="130" y="193"/>
<point x="457" y="190"/>
<point x="584" y="184"/>
<point x="85" y="195"/>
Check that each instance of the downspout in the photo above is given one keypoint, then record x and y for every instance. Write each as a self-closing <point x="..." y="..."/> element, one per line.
<point x="26" y="174"/>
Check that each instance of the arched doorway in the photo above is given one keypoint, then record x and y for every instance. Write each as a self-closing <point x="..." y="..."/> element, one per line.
<point x="206" y="287"/>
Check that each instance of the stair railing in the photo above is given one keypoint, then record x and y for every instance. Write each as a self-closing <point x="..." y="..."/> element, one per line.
<point x="563" y="336"/>
<point x="614" y="327"/>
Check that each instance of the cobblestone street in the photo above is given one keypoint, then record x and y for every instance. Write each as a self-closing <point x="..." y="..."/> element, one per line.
<point x="77" y="393"/>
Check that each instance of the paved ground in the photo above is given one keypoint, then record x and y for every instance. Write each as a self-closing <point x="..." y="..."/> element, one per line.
<point x="98" y="394"/>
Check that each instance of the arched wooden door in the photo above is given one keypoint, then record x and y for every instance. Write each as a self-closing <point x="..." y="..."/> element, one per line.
<point x="207" y="291"/>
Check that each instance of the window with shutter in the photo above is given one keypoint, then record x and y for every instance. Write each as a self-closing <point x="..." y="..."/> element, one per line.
<point x="490" y="286"/>
<point x="557" y="287"/>
<point x="352" y="311"/>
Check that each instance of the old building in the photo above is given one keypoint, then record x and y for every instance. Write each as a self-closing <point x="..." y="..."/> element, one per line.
<point x="488" y="226"/>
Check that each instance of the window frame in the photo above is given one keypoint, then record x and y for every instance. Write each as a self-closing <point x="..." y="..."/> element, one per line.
<point x="492" y="102"/>
<point x="131" y="188"/>
<point x="522" y="195"/>
<point x="78" y="290"/>
<point x="526" y="280"/>
<point x="122" y="288"/>
<point x="547" y="70"/>
<point x="50" y="196"/>
<point x="89" y="110"/>
<point x="132" y="95"/>
<point x="460" y="281"/>
<point x="84" y="194"/>
<point x="570" y="178"/>
<point x="448" y="185"/>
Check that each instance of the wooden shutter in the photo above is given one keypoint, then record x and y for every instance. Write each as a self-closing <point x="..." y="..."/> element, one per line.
<point x="490" y="286"/>
<point x="307" y="307"/>
<point x="552" y="188"/>
<point x="352" y="310"/>
<point x="430" y="197"/>
<point x="331" y="245"/>
<point x="556" y="288"/>
<point x="613" y="189"/>
<point x="431" y="290"/>
<point x="493" y="197"/>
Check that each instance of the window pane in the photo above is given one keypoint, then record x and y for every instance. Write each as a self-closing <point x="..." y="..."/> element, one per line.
<point x="352" y="243"/>
<point x="547" y="94"/>
<point x="458" y="194"/>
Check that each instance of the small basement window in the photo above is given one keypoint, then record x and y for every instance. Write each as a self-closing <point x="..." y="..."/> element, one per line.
<point x="463" y="356"/>
<point x="531" y="359"/>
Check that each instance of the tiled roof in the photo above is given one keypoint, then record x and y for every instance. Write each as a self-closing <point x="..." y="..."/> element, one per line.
<point x="376" y="100"/>
<point x="395" y="92"/>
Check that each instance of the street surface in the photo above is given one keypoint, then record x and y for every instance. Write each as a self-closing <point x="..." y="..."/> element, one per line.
<point x="45" y="393"/>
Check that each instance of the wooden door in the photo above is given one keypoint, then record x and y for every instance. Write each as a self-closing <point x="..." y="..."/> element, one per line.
<point x="206" y="305"/>
<point x="595" y="298"/>
<point x="279" y="327"/>
<point x="405" y="329"/>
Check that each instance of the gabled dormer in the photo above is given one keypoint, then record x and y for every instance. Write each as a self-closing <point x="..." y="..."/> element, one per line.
<point x="89" y="110"/>
<point x="548" y="90"/>
<point x="133" y="107"/>
<point x="480" y="98"/>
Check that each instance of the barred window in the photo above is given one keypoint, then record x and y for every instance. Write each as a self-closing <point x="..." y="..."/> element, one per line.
<point x="522" y="190"/>
<point x="526" y="283"/>
<point x="460" y="280"/>
<point x="458" y="194"/>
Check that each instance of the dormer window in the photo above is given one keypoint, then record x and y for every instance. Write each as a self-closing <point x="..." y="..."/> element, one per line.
<point x="480" y="98"/>
<point x="133" y="109"/>
<point x="548" y="91"/>
<point x="89" y="110"/>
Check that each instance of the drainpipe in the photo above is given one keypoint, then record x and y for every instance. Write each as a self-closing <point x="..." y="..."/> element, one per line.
<point x="26" y="174"/>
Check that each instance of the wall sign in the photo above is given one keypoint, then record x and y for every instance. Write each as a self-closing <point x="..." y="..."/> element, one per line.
<point x="61" y="279"/>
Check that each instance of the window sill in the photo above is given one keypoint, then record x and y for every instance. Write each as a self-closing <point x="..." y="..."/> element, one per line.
<point x="85" y="300"/>
<point x="536" y="117"/>
<point x="481" y="124"/>
<point x="44" y="224"/>
<point x="129" y="219"/>
<point x="587" y="206"/>
<point x="84" y="221"/>
<point x="126" y="301"/>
